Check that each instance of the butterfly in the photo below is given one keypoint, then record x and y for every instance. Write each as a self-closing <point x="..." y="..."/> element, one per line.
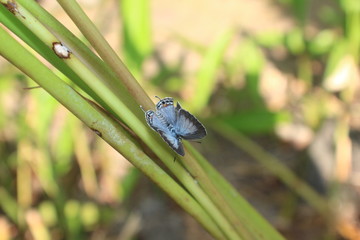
<point x="174" y="123"/>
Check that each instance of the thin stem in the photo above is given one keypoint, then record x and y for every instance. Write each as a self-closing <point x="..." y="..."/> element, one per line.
<point x="274" y="166"/>
<point x="102" y="124"/>
<point x="105" y="51"/>
<point x="128" y="116"/>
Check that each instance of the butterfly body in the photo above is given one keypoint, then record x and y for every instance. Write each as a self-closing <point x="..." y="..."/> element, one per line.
<point x="174" y="124"/>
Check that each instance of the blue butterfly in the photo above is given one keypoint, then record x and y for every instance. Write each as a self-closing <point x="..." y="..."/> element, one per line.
<point x="174" y="124"/>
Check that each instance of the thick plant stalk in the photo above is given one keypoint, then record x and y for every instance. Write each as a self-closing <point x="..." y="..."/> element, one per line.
<point x="215" y="202"/>
<point x="101" y="124"/>
<point x="157" y="145"/>
<point x="273" y="165"/>
<point x="105" y="51"/>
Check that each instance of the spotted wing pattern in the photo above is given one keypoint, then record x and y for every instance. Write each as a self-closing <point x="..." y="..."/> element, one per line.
<point x="159" y="124"/>
<point x="174" y="123"/>
<point x="166" y="108"/>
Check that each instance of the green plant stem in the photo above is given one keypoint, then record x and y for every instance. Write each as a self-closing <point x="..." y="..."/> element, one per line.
<point x="23" y="26"/>
<point x="206" y="76"/>
<point x="252" y="220"/>
<point x="135" y="33"/>
<point x="217" y="207"/>
<point x="9" y="205"/>
<point x="102" y="124"/>
<point x="93" y="62"/>
<point x="198" y="173"/>
<point x="105" y="51"/>
<point x="274" y="166"/>
<point x="158" y="146"/>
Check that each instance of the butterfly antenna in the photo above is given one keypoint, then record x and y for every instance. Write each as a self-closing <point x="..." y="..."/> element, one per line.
<point x="174" y="158"/>
<point x="142" y="108"/>
<point x="158" y="97"/>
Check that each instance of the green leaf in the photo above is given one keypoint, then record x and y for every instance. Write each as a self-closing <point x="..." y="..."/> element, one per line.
<point x="323" y="42"/>
<point x="255" y="122"/>
<point x="295" y="42"/>
<point x="207" y="75"/>
<point x="137" y="43"/>
<point x="252" y="58"/>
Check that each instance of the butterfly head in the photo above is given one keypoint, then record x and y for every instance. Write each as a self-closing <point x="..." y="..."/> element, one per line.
<point x="168" y="101"/>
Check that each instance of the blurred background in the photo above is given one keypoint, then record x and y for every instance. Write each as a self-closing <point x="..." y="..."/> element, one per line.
<point x="281" y="75"/>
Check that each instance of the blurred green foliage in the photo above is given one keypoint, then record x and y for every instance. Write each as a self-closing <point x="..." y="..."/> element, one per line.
<point x="50" y="164"/>
<point x="137" y="45"/>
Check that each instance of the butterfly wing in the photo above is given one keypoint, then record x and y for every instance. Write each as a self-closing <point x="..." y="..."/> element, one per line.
<point x="187" y="126"/>
<point x="173" y="141"/>
<point x="165" y="107"/>
<point x="157" y="122"/>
